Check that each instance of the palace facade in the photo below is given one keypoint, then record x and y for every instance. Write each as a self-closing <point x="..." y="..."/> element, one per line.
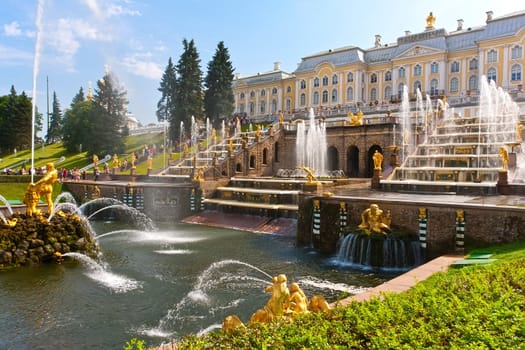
<point x="435" y="61"/>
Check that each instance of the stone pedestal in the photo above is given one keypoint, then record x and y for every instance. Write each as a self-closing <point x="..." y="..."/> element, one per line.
<point x="149" y="172"/>
<point x="376" y="178"/>
<point x="114" y="171"/>
<point x="133" y="171"/>
<point x="311" y="186"/>
<point x="503" y="177"/>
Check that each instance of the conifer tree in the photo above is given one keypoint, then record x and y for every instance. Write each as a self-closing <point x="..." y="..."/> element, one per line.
<point x="55" y="124"/>
<point x="218" y="97"/>
<point x="188" y="90"/>
<point x="166" y="104"/>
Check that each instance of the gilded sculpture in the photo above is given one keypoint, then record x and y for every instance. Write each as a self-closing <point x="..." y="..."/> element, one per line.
<point x="310" y="177"/>
<point x="373" y="220"/>
<point x="356" y="120"/>
<point x="431" y="20"/>
<point x="116" y="163"/>
<point x="378" y="160"/>
<point x="43" y="187"/>
<point x="504" y="158"/>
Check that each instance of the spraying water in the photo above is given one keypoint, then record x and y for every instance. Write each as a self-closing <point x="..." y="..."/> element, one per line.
<point x="311" y="146"/>
<point x="36" y="63"/>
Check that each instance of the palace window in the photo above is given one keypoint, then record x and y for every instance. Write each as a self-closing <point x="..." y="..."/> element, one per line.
<point x="492" y="56"/>
<point x="242" y="108"/>
<point x="491" y="74"/>
<point x="402" y="72"/>
<point x="388" y="92"/>
<point x="373" y="78"/>
<point x="303" y="100"/>
<point x="373" y="94"/>
<point x="325" y="96"/>
<point x="334" y="79"/>
<point x="388" y="76"/>
<point x="263" y="92"/>
<point x="434" y="87"/>
<point x="316" y="82"/>
<point x="417" y="69"/>
<point x="350" y="77"/>
<point x="316" y="98"/>
<point x="303" y="84"/>
<point x="263" y="107"/>
<point x="473" y="64"/>
<point x="349" y="94"/>
<point x="400" y="89"/>
<point x="252" y="94"/>
<point x="434" y="67"/>
<point x="454" y="67"/>
<point x="274" y="106"/>
<point x="454" y="85"/>
<point x="252" y="107"/>
<point x="334" y="95"/>
<point x="417" y="86"/>
<point x="516" y="52"/>
<point x="473" y="83"/>
<point x="325" y="81"/>
<point x="274" y="91"/>
<point x="288" y="89"/>
<point x="242" y="95"/>
<point x="288" y="104"/>
<point x="515" y="72"/>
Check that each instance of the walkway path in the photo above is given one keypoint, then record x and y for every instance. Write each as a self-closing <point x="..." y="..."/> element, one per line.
<point x="406" y="280"/>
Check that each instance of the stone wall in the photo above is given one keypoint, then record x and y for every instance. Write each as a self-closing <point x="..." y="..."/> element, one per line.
<point x="484" y="224"/>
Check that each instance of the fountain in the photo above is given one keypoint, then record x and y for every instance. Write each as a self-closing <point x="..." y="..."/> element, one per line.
<point x="460" y="152"/>
<point x="377" y="245"/>
<point x="311" y="147"/>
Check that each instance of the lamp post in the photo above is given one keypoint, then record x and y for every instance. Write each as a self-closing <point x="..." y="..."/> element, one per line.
<point x="164" y="145"/>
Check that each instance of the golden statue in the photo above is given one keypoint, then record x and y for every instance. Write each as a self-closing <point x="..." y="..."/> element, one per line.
<point x="116" y="163"/>
<point x="281" y="118"/>
<point x="133" y="160"/>
<point x="356" y="120"/>
<point x="199" y="174"/>
<point x="430" y="21"/>
<point x="460" y="215"/>
<point x="95" y="161"/>
<point x="310" y="177"/>
<point x="298" y="300"/>
<point x="95" y="192"/>
<point x="278" y="302"/>
<point x="378" y="160"/>
<point x="213" y="136"/>
<point x="150" y="162"/>
<point x="230" y="145"/>
<point x="504" y="158"/>
<point x="319" y="304"/>
<point x="258" y="132"/>
<point x="31" y="199"/>
<point x="231" y="322"/>
<point x="422" y="213"/>
<point x="373" y="220"/>
<point x="519" y="127"/>
<point x="186" y="150"/>
<point x="44" y="186"/>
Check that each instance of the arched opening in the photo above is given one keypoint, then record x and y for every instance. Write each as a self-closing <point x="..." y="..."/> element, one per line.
<point x="370" y="161"/>
<point x="238" y="168"/>
<point x="333" y="158"/>
<point x="252" y="161"/>
<point x="352" y="161"/>
<point x="265" y="156"/>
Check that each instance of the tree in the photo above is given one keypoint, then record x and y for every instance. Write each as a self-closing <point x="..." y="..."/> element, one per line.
<point x="166" y="104"/>
<point x="55" y="124"/>
<point x="79" y="97"/>
<point x="78" y="130"/>
<point x="218" y="97"/>
<point x="109" y="125"/>
<point x="188" y="90"/>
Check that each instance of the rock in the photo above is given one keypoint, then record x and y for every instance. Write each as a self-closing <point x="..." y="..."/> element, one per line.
<point x="5" y="257"/>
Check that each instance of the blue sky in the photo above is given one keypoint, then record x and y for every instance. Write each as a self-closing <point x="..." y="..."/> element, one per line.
<point x="135" y="38"/>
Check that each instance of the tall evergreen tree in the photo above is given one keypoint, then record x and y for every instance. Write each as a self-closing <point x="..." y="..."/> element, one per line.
<point x="55" y="124"/>
<point x="111" y="104"/>
<point x="78" y="130"/>
<point x="218" y="97"/>
<point x="188" y="90"/>
<point x="79" y="97"/>
<point x="166" y="104"/>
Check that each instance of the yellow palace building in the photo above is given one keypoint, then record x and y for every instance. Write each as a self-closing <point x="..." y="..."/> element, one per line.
<point x="434" y="60"/>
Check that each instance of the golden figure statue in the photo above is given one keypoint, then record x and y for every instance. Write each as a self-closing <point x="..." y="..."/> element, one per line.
<point x="378" y="160"/>
<point x="186" y="150"/>
<point x="213" y="136"/>
<point x="278" y="302"/>
<point x="133" y="160"/>
<point x="504" y="158"/>
<point x="199" y="174"/>
<point x="44" y="186"/>
<point x="95" y="192"/>
<point x="310" y="177"/>
<point x="356" y="120"/>
<point x="116" y="163"/>
<point x="150" y="162"/>
<point x="95" y="161"/>
<point x="430" y="21"/>
<point x="31" y="199"/>
<point x="422" y="213"/>
<point x="281" y="118"/>
<point x="258" y="133"/>
<point x="231" y="322"/>
<point x="460" y="215"/>
<point x="298" y="300"/>
<point x="373" y="220"/>
<point x="319" y="304"/>
<point x="519" y="127"/>
<point x="230" y="145"/>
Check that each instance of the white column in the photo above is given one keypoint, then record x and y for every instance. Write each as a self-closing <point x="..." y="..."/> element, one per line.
<point x="505" y="78"/>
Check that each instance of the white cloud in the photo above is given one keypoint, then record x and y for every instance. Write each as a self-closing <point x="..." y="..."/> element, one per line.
<point x="141" y="67"/>
<point x="13" y="29"/>
<point x="117" y="10"/>
<point x="12" y="56"/>
<point x="109" y="10"/>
